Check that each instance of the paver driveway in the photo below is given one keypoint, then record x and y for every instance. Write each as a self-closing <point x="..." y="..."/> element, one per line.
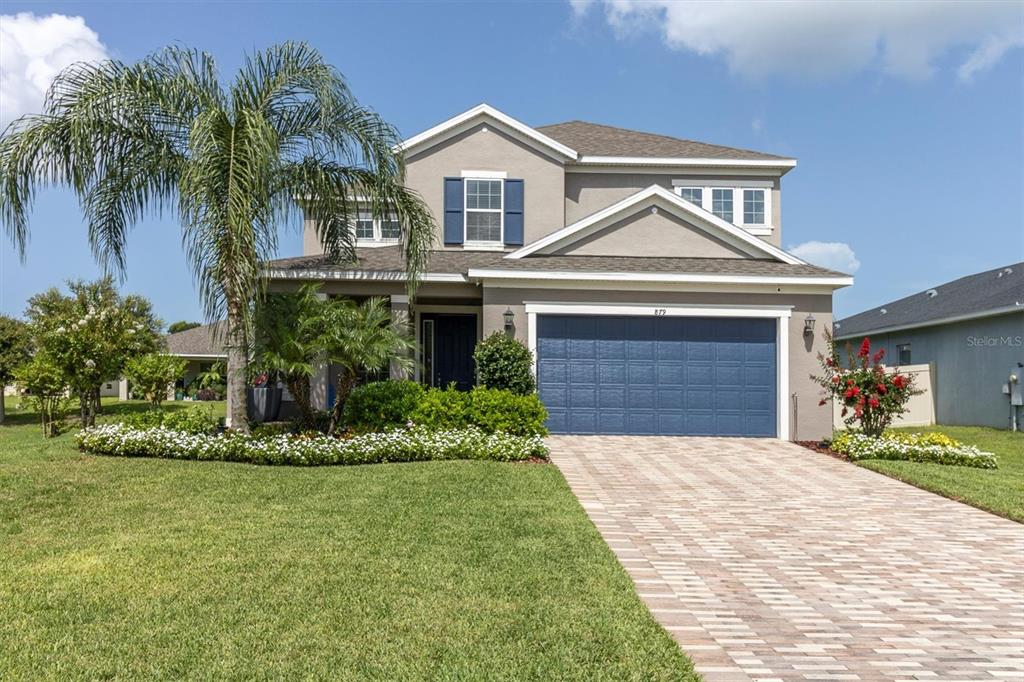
<point x="768" y="561"/>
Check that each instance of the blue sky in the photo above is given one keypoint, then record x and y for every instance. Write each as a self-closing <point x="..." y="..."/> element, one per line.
<point x="909" y="131"/>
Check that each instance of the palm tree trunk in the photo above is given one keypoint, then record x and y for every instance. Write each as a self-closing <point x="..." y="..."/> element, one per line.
<point x="237" y="361"/>
<point x="298" y="386"/>
<point x="346" y="382"/>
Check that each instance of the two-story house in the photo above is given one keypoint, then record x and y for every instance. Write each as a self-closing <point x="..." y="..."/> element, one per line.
<point x="645" y="272"/>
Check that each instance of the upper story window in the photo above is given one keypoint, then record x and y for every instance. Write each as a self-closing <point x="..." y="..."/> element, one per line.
<point x="370" y="229"/>
<point x="484" y="210"/>
<point x="753" y="207"/>
<point x="721" y="203"/>
<point x="746" y="204"/>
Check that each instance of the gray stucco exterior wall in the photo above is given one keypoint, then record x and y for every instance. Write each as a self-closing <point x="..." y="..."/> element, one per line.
<point x="971" y="362"/>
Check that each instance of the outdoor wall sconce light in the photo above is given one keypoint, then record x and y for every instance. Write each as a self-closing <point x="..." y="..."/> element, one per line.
<point x="809" y="325"/>
<point x="509" y="318"/>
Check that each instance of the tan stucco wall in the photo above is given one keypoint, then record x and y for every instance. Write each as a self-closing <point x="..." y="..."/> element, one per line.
<point x="474" y="150"/>
<point x="652" y="234"/>
<point x="808" y="421"/>
<point x="586" y="193"/>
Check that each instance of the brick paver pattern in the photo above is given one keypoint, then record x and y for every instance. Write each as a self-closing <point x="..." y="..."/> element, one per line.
<point x="767" y="561"/>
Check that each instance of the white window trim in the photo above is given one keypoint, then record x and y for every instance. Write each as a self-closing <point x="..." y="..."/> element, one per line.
<point x="378" y="239"/>
<point x="706" y="187"/>
<point x="780" y="313"/>
<point x="484" y="175"/>
<point x="480" y="244"/>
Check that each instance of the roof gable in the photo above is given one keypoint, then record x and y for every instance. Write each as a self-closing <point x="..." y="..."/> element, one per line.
<point x="481" y="113"/>
<point x="657" y="196"/>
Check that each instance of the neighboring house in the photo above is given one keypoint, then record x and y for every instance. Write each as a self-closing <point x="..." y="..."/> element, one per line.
<point x="200" y="346"/>
<point x="970" y="330"/>
<point x="644" y="271"/>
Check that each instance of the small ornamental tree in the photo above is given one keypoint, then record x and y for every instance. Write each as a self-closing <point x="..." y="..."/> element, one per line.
<point x="15" y="347"/>
<point x="505" y="363"/>
<point x="871" y="396"/>
<point x="46" y="391"/>
<point x="152" y="374"/>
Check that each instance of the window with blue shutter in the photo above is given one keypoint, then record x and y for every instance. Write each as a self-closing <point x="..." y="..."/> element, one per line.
<point x="514" y="212"/>
<point x="453" y="211"/>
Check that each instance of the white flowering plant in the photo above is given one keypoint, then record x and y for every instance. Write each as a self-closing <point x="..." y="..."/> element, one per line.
<point x="400" y="445"/>
<point x="933" y="448"/>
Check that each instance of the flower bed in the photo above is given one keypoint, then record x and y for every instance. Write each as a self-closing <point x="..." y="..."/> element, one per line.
<point x="934" y="448"/>
<point x="405" y="445"/>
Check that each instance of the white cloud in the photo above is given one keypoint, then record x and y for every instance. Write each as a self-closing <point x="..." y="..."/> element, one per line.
<point x="34" y="49"/>
<point x="822" y="38"/>
<point x="831" y="255"/>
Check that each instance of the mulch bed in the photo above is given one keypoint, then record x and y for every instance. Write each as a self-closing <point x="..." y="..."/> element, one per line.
<point x="820" y="446"/>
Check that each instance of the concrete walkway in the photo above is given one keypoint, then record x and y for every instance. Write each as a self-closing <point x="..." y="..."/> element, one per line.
<point x="767" y="561"/>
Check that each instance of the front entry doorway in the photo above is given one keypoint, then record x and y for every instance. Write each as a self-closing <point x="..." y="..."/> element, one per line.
<point x="448" y="340"/>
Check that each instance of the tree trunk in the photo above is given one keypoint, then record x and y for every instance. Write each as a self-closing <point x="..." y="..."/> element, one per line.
<point x="3" y="408"/>
<point x="298" y="386"/>
<point x="346" y="382"/>
<point x="237" y="363"/>
<point x="96" y="400"/>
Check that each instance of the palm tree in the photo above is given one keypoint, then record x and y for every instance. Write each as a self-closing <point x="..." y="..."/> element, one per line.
<point x="236" y="162"/>
<point x="362" y="338"/>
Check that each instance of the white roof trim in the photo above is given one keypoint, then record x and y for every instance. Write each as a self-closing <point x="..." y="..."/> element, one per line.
<point x="824" y="280"/>
<point x="684" y="161"/>
<point x="1005" y="310"/>
<point x="456" y="124"/>
<point x="366" y="275"/>
<point x="734" y="235"/>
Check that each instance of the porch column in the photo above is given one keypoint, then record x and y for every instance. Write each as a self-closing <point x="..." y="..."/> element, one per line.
<point x="122" y="389"/>
<point x="318" y="389"/>
<point x="399" y="316"/>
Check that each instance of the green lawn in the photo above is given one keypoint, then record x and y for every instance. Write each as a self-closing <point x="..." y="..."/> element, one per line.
<point x="1000" y="491"/>
<point x="127" y="568"/>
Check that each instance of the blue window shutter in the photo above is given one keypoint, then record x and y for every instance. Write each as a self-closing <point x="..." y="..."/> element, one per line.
<point x="514" y="212"/>
<point x="453" y="223"/>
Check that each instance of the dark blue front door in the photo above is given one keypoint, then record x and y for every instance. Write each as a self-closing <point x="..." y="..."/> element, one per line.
<point x="658" y="375"/>
<point x="447" y="343"/>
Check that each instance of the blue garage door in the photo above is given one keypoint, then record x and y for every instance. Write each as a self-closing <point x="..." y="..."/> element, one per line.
<point x="694" y="376"/>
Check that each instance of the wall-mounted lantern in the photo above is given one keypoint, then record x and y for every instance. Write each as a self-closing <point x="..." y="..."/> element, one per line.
<point x="509" y="319"/>
<point x="809" y="325"/>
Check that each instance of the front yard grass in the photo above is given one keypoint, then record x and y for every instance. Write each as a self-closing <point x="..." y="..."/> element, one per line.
<point x="146" y="568"/>
<point x="1000" y="491"/>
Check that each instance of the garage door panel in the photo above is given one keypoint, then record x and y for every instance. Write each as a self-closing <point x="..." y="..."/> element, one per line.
<point x="664" y="375"/>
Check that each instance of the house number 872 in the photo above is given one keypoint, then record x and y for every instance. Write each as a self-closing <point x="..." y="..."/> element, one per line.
<point x="658" y="312"/>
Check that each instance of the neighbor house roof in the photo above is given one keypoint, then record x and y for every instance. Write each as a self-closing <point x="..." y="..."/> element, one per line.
<point x="204" y="341"/>
<point x="388" y="263"/>
<point x="987" y="293"/>
<point x="594" y="139"/>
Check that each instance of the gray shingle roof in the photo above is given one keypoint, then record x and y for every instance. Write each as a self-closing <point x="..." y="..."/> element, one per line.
<point x="990" y="290"/>
<point x="389" y="260"/>
<point x="594" y="139"/>
<point x="205" y="340"/>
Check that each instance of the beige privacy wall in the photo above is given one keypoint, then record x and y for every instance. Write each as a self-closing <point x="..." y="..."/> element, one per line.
<point x="920" y="409"/>
<point x="808" y="420"/>
<point x="588" y="192"/>
<point x="476" y="150"/>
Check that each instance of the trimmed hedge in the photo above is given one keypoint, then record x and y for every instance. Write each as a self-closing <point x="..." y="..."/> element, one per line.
<point x="932" y="448"/>
<point x="491" y="410"/>
<point x="504" y="363"/>
<point x="405" y="445"/>
<point x="381" y="405"/>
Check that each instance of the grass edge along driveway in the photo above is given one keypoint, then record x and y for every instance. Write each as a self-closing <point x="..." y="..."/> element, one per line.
<point x="126" y="568"/>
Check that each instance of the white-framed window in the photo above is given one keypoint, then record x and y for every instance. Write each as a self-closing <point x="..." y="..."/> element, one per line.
<point x="484" y="210"/>
<point x="695" y="195"/>
<point x="744" y="204"/>
<point x="370" y="230"/>
<point x="721" y="202"/>
<point x="753" y="206"/>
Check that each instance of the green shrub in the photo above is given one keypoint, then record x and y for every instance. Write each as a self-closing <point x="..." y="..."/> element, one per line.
<point x="272" y="429"/>
<point x="381" y="405"/>
<point x="442" y="409"/>
<point x="504" y="363"/>
<point x="149" y="419"/>
<point x="400" y="445"/>
<point x="193" y="419"/>
<point x="488" y="409"/>
<point x="498" y="411"/>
